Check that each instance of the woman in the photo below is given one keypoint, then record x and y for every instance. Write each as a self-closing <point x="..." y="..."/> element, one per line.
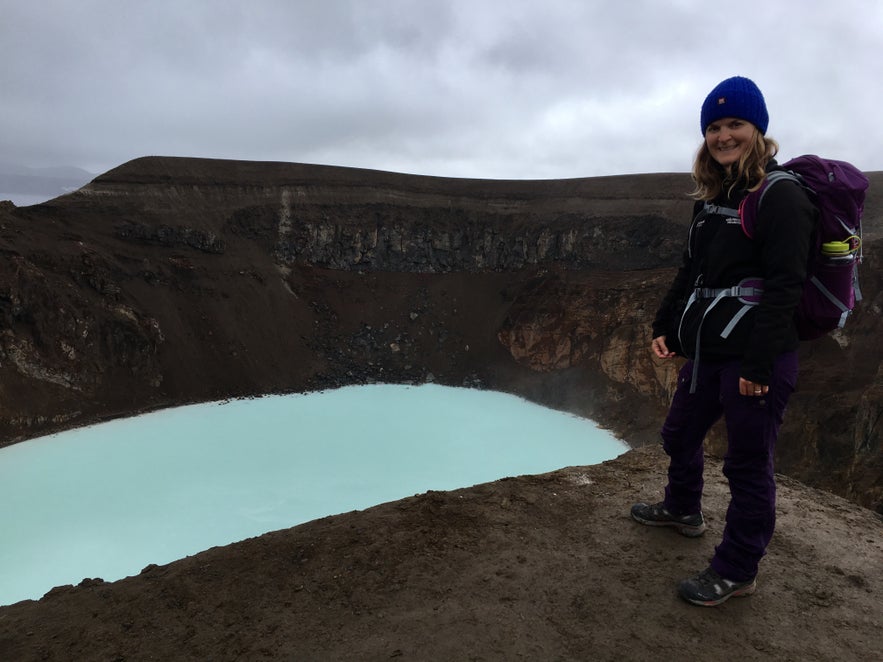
<point x="743" y="352"/>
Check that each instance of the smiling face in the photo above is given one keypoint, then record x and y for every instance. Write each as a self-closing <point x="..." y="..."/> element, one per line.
<point x="728" y="139"/>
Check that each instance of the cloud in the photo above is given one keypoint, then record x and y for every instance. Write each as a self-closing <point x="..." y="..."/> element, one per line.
<point x="481" y="88"/>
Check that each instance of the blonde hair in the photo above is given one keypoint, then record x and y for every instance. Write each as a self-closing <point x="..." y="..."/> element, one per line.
<point x="711" y="178"/>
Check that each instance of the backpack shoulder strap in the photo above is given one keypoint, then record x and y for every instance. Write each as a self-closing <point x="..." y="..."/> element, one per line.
<point x="779" y="176"/>
<point x="751" y="203"/>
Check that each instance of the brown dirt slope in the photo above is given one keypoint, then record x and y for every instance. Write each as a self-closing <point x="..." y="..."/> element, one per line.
<point x="546" y="567"/>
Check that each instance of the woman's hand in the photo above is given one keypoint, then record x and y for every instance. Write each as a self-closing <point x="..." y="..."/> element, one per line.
<point x="660" y="349"/>
<point x="752" y="389"/>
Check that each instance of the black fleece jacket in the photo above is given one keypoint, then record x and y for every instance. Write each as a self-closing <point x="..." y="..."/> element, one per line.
<point x="719" y="254"/>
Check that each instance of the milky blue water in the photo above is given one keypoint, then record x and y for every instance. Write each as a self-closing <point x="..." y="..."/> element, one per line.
<point x="107" y="500"/>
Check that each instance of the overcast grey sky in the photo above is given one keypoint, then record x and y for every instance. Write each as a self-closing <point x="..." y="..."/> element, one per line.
<point x="463" y="88"/>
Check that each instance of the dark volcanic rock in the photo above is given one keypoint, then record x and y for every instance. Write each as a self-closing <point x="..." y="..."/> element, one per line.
<point x="170" y="280"/>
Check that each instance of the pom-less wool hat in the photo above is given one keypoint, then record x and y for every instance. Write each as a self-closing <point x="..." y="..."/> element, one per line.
<point x="735" y="97"/>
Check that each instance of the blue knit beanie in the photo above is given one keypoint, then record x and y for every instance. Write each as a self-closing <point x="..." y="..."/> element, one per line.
<point x="735" y="97"/>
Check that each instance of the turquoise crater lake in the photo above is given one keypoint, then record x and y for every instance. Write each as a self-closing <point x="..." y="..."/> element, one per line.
<point x="107" y="500"/>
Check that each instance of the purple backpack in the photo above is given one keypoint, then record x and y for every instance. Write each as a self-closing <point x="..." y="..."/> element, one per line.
<point x="838" y="190"/>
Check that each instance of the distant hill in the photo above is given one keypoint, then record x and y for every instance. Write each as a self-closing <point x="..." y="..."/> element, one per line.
<point x="24" y="185"/>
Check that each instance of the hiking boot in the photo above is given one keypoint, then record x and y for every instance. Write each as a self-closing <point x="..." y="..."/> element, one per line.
<point x="708" y="588"/>
<point x="691" y="526"/>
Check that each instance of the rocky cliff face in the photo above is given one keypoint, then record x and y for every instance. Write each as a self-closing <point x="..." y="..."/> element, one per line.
<point x="168" y="281"/>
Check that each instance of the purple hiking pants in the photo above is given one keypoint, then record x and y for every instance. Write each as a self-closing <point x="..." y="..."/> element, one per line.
<point x="752" y="425"/>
